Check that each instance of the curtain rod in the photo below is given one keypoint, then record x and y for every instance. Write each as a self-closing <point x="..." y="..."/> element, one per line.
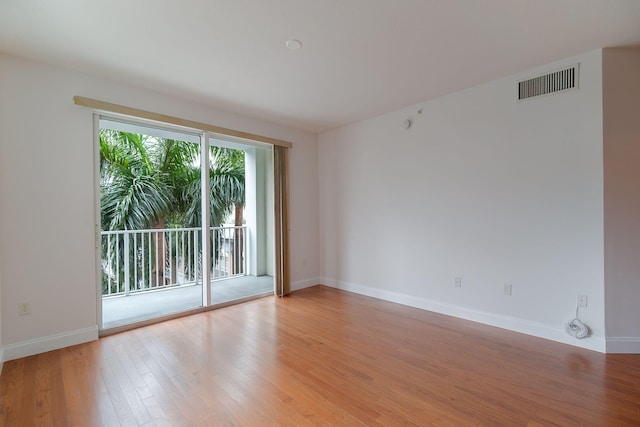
<point x="134" y="112"/>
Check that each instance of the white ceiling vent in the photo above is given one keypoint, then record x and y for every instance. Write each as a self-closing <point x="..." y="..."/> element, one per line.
<point x="558" y="81"/>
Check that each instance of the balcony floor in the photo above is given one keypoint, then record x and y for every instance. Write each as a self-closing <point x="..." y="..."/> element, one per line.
<point x="118" y="311"/>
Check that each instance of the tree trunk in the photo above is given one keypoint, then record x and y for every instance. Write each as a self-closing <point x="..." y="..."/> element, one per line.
<point x="163" y="254"/>
<point x="238" y="241"/>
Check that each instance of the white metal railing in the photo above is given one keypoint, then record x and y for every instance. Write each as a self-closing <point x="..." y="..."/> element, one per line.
<point x="144" y="260"/>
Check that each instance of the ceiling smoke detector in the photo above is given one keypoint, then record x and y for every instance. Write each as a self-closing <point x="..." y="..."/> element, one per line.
<point x="293" y="44"/>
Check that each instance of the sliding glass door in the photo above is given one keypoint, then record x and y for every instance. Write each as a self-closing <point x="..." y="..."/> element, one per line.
<point x="151" y="235"/>
<point x="242" y="240"/>
<point x="159" y="243"/>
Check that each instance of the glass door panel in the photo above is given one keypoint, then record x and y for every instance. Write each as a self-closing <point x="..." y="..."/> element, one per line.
<point x="241" y="179"/>
<point x="151" y="236"/>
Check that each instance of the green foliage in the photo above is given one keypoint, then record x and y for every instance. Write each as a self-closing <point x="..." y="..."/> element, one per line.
<point x="149" y="182"/>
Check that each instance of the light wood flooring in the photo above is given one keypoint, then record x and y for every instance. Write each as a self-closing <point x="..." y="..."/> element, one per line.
<point x="320" y="357"/>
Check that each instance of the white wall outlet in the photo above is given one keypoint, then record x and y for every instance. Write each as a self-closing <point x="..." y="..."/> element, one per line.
<point x="582" y="300"/>
<point x="457" y="282"/>
<point x="507" y="289"/>
<point x="24" y="308"/>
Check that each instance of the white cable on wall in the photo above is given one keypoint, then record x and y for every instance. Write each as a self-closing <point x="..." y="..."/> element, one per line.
<point x="576" y="328"/>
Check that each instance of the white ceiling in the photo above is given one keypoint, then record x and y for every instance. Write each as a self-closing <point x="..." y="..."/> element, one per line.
<point x="360" y="58"/>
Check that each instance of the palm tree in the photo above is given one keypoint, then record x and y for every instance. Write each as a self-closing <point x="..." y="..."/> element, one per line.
<point x="234" y="160"/>
<point x="154" y="183"/>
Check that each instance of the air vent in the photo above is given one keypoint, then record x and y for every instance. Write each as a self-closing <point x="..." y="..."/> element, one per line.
<point x="557" y="81"/>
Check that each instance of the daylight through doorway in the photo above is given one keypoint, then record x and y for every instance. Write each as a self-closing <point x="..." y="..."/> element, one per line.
<point x="153" y="253"/>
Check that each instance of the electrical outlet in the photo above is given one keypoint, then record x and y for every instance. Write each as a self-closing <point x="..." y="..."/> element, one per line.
<point x="507" y="289"/>
<point x="582" y="300"/>
<point x="24" y="308"/>
<point x="457" y="282"/>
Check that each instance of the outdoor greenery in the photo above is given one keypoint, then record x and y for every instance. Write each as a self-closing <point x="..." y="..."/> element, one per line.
<point x="148" y="182"/>
<point x="154" y="183"/>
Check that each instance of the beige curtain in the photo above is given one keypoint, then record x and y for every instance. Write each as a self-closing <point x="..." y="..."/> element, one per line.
<point x="281" y="199"/>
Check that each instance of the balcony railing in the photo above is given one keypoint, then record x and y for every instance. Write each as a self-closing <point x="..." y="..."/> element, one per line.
<point x="144" y="260"/>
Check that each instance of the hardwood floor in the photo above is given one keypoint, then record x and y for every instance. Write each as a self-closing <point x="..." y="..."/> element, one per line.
<point x="321" y="357"/>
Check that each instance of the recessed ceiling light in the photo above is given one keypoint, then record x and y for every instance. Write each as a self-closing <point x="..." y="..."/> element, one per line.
<point x="293" y="44"/>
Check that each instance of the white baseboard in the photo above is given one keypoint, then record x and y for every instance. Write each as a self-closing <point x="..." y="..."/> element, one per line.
<point x="623" y="345"/>
<point x="595" y="343"/>
<point x="51" y="342"/>
<point x="301" y="284"/>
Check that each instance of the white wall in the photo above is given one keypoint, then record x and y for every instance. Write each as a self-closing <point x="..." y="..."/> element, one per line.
<point x="258" y="210"/>
<point x="270" y="219"/>
<point x="621" y="68"/>
<point x="483" y="188"/>
<point x="47" y="198"/>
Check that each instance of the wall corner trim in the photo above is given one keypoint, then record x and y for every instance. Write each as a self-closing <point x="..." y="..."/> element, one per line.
<point x="48" y="343"/>
<point x="623" y="345"/>
<point x="595" y="343"/>
<point x="306" y="283"/>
